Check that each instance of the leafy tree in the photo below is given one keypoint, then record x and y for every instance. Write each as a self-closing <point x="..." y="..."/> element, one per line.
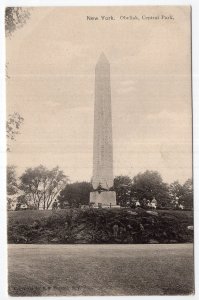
<point x="12" y="186"/>
<point x="187" y="198"/>
<point x="182" y="193"/>
<point x="150" y="184"/>
<point x="15" y="17"/>
<point x="13" y="124"/>
<point x="175" y="190"/>
<point x="123" y="187"/>
<point x="42" y="186"/>
<point x="75" y="194"/>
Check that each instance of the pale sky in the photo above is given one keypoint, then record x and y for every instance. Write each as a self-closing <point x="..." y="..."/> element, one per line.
<point x="51" y="67"/>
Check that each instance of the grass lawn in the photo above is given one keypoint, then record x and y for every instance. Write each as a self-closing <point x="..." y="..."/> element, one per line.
<point x="64" y="270"/>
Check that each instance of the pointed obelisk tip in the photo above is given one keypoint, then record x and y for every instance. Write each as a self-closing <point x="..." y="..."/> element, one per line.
<point x="103" y="58"/>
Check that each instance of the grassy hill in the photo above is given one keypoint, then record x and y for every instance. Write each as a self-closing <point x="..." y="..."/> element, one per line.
<point x="99" y="226"/>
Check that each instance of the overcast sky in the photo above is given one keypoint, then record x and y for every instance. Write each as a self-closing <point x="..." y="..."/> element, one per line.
<point x="51" y="67"/>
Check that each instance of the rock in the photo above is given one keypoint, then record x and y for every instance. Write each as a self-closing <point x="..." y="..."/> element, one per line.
<point x="132" y="213"/>
<point x="151" y="241"/>
<point x="84" y="207"/>
<point x="141" y="227"/>
<point x="35" y="224"/>
<point x="104" y="237"/>
<point x="22" y="239"/>
<point x="81" y="242"/>
<point x="79" y="236"/>
<point x="190" y="227"/>
<point x="117" y="240"/>
<point x="130" y="239"/>
<point x="81" y="227"/>
<point x="55" y="240"/>
<point x="78" y="229"/>
<point x="83" y="237"/>
<point x="140" y="210"/>
<point x="151" y="212"/>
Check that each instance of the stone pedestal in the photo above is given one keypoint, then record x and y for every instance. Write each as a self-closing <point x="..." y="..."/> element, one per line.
<point x="103" y="199"/>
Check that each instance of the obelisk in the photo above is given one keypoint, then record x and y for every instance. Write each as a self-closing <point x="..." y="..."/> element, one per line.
<point x="102" y="180"/>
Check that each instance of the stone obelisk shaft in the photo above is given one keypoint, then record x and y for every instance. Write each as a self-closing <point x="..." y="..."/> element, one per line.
<point x="102" y="147"/>
<point x="102" y="179"/>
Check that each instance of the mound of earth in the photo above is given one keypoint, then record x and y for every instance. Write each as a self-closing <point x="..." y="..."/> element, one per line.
<point x="94" y="226"/>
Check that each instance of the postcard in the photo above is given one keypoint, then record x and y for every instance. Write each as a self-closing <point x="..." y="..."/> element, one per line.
<point x="99" y="151"/>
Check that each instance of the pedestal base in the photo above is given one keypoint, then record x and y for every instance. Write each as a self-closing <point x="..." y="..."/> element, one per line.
<point x="103" y="199"/>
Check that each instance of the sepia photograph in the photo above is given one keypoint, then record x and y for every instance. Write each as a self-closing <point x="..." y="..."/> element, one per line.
<point x="99" y="151"/>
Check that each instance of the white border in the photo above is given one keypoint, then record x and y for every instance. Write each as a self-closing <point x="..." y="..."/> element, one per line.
<point x="195" y="80"/>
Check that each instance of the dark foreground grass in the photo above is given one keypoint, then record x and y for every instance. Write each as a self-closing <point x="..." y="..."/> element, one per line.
<point x="69" y="270"/>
